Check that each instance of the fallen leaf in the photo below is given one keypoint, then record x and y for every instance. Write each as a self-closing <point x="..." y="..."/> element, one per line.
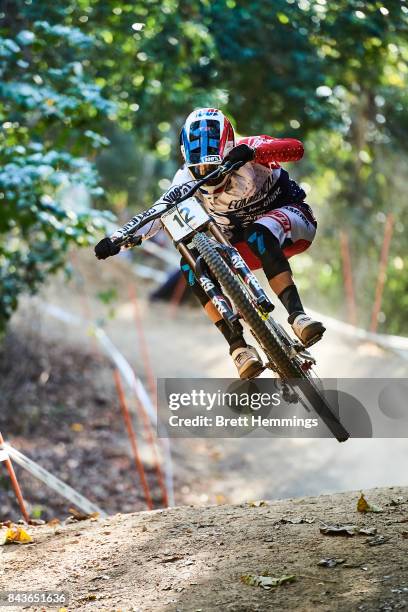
<point x="54" y="522"/>
<point x="297" y="520"/>
<point x="266" y="582"/>
<point x="77" y="427"/>
<point x="89" y="597"/>
<point x="364" y="506"/>
<point x="377" y="540"/>
<point x="331" y="562"/>
<point x="341" y="530"/>
<point x="102" y="577"/>
<point x="81" y="516"/>
<point x="14" y="535"/>
<point x="258" y="504"/>
<point x="397" y="501"/>
<point x="367" y="531"/>
<point x="171" y="559"/>
<point x="220" y="499"/>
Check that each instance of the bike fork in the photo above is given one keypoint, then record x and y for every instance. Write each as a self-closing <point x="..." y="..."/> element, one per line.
<point x="219" y="301"/>
<point x="248" y="278"/>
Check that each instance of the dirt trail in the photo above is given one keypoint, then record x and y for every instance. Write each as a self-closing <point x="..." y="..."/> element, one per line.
<point x="191" y="559"/>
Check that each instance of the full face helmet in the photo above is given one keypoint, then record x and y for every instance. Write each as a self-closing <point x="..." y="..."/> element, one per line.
<point x="206" y="138"/>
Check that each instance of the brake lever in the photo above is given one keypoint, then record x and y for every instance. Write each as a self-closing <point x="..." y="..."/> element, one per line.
<point x="135" y="240"/>
<point x="228" y="167"/>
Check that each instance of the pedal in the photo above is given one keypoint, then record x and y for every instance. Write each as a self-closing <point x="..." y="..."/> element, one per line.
<point x="259" y="372"/>
<point x="299" y="350"/>
<point x="313" y="340"/>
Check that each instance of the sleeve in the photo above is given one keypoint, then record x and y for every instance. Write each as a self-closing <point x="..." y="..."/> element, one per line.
<point x="179" y="186"/>
<point x="139" y="225"/>
<point x="269" y="150"/>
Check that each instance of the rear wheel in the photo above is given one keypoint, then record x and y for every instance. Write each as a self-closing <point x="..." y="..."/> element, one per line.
<point x="287" y="368"/>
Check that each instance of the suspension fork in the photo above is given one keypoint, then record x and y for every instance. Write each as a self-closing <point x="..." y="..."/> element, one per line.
<point x="203" y="276"/>
<point x="242" y="270"/>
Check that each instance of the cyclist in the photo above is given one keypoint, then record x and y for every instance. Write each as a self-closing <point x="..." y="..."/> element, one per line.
<point x="258" y="207"/>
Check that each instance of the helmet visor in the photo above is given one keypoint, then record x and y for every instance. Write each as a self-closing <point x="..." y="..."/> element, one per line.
<point x="201" y="170"/>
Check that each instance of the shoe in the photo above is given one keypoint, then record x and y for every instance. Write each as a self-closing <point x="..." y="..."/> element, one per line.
<point x="248" y="362"/>
<point x="307" y="330"/>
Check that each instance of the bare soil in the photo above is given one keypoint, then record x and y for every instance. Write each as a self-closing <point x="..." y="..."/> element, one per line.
<point x="58" y="405"/>
<point x="192" y="559"/>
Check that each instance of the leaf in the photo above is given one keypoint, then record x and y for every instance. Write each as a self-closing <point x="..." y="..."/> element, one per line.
<point x="171" y="559"/>
<point x="266" y="582"/>
<point x="297" y="520"/>
<point x="14" y="535"/>
<point x="258" y="504"/>
<point x="367" y="531"/>
<point x="341" y="530"/>
<point x="378" y="540"/>
<point x="81" y="516"/>
<point x="364" y="506"/>
<point x="331" y="562"/>
<point x="396" y="501"/>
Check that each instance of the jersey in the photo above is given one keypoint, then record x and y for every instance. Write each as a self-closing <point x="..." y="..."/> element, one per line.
<point x="257" y="187"/>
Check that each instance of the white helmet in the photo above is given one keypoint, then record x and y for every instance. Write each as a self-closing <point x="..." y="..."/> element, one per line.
<point x="206" y="138"/>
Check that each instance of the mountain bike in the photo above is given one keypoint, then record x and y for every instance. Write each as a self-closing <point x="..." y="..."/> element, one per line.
<point x="235" y="291"/>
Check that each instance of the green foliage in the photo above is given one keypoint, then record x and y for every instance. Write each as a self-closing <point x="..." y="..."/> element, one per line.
<point x="81" y="73"/>
<point x="46" y="99"/>
<point x="108" y="297"/>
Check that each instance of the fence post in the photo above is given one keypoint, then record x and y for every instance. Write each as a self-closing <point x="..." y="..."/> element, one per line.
<point x="348" y="278"/>
<point x="132" y="438"/>
<point x="14" y="482"/>
<point x="382" y="272"/>
<point x="152" y="389"/>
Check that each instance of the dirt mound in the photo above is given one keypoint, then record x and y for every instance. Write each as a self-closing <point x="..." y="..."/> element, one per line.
<point x="192" y="559"/>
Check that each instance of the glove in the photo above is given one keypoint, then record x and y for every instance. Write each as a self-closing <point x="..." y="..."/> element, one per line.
<point x="105" y="248"/>
<point x="240" y="153"/>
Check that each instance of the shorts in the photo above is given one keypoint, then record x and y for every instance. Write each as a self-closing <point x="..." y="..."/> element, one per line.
<point x="293" y="225"/>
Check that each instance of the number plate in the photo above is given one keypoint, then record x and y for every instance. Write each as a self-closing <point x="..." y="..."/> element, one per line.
<point x="183" y="219"/>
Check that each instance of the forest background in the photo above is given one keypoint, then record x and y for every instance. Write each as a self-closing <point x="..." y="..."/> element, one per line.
<point x="93" y="94"/>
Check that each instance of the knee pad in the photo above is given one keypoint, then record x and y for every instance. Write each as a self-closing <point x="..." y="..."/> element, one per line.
<point x="266" y="247"/>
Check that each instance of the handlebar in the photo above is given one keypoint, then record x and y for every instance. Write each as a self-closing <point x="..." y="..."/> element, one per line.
<point x="126" y="237"/>
<point x="220" y="171"/>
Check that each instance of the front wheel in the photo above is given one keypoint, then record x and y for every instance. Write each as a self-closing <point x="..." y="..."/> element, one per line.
<point x="287" y="368"/>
